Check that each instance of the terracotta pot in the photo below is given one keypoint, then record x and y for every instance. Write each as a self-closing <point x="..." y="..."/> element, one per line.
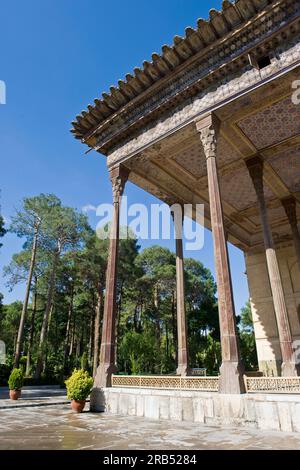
<point x="77" y="405"/>
<point x="14" y="394"/>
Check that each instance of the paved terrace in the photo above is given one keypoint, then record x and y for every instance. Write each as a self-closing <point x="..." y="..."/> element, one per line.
<point x="34" y="396"/>
<point x="57" y="427"/>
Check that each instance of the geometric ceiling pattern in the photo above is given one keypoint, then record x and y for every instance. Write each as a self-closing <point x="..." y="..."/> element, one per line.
<point x="276" y="213"/>
<point x="238" y="191"/>
<point x="273" y="124"/>
<point x="287" y="165"/>
<point x="192" y="159"/>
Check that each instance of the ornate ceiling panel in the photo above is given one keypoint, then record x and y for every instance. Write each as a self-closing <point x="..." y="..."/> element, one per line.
<point x="276" y="215"/>
<point x="287" y="165"/>
<point x="237" y="189"/>
<point x="272" y="124"/>
<point x="192" y="159"/>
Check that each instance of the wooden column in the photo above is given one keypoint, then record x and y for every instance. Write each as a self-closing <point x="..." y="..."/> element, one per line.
<point x="107" y="366"/>
<point x="231" y="371"/>
<point x="288" y="367"/>
<point x="289" y="205"/>
<point x="183" y="357"/>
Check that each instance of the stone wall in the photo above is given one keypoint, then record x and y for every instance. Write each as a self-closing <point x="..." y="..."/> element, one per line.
<point x="266" y="333"/>
<point x="261" y="411"/>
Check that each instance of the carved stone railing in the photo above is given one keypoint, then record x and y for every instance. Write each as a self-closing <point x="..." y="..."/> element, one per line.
<point x="272" y="384"/>
<point x="208" y="384"/>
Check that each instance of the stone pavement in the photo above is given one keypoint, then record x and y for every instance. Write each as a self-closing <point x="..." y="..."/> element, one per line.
<point x="57" y="427"/>
<point x="34" y="396"/>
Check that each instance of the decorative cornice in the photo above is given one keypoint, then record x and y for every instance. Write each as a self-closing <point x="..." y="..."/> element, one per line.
<point x="207" y="48"/>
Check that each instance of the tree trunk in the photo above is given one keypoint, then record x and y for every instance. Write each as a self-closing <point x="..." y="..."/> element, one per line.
<point x="72" y="336"/>
<point x="91" y="335"/>
<point x="78" y="348"/>
<point x="31" y="334"/>
<point x="46" y="349"/>
<point x="156" y="306"/>
<point x="167" y="339"/>
<point x="70" y="312"/>
<point x="50" y="317"/>
<point x="43" y="335"/>
<point x="27" y="294"/>
<point x="97" y="330"/>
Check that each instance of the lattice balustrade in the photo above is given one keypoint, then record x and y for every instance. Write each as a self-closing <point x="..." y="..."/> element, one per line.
<point x="272" y="384"/>
<point x="126" y="381"/>
<point x="167" y="382"/>
<point x="209" y="384"/>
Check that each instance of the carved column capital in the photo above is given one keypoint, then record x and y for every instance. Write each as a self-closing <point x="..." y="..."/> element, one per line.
<point x="118" y="176"/>
<point x="208" y="129"/>
<point x="289" y="205"/>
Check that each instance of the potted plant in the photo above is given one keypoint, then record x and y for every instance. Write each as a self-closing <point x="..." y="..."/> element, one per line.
<point x="15" y="383"/>
<point x="79" y="386"/>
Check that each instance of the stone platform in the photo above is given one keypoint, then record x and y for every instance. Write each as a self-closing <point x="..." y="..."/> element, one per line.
<point x="272" y="412"/>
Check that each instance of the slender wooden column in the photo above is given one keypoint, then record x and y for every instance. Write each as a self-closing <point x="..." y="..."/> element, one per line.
<point x="231" y="371"/>
<point x="288" y="367"/>
<point x="183" y="356"/>
<point x="289" y="205"/>
<point x="107" y="366"/>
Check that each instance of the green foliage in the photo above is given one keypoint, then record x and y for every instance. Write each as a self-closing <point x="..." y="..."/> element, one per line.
<point x="9" y="323"/>
<point x="79" y="385"/>
<point x="4" y="374"/>
<point x="84" y="361"/>
<point x="248" y="351"/>
<point x="247" y="339"/>
<point x="246" y="322"/>
<point x="33" y="211"/>
<point x="209" y="356"/>
<point x="138" y="351"/>
<point x="2" y="229"/>
<point x="16" y="378"/>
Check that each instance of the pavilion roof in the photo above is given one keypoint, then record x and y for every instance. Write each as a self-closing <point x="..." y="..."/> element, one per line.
<point x="207" y="32"/>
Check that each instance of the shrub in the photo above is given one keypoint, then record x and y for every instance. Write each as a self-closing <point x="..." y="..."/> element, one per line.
<point x="79" y="385"/>
<point x="15" y="381"/>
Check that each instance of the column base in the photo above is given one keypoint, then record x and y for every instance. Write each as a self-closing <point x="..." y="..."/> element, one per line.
<point x="289" y="369"/>
<point x="232" y="378"/>
<point x="183" y="371"/>
<point x="102" y="380"/>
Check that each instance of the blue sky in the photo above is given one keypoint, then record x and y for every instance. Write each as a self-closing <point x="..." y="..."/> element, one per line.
<point x="56" y="57"/>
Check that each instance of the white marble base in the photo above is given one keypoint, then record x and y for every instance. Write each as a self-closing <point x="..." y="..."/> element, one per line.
<point x="262" y="411"/>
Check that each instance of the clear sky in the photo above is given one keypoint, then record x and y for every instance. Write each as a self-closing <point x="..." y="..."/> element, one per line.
<point x="56" y="57"/>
